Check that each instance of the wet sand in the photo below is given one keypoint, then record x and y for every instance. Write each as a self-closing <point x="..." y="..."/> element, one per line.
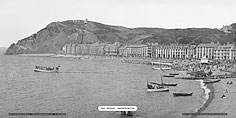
<point x="216" y="104"/>
<point x="221" y="105"/>
<point x="210" y="95"/>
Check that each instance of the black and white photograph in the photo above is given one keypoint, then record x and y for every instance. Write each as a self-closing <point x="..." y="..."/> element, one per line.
<point x="117" y="59"/>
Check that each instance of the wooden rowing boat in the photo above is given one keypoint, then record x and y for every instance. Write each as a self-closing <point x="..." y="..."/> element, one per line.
<point x="168" y="75"/>
<point x="208" y="82"/>
<point x="46" y="69"/>
<point x="183" y="94"/>
<point x="165" y="84"/>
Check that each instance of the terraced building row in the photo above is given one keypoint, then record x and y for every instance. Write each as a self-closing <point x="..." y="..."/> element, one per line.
<point x="172" y="51"/>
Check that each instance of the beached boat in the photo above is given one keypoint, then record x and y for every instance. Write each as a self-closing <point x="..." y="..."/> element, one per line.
<point x="161" y="63"/>
<point x="157" y="88"/>
<point x="229" y="82"/>
<point x="162" y="68"/>
<point x="190" y="78"/>
<point x="168" y="75"/>
<point x="207" y="82"/>
<point x="46" y="69"/>
<point x="165" y="84"/>
<point x="170" y="84"/>
<point x="174" y="73"/>
<point x="183" y="94"/>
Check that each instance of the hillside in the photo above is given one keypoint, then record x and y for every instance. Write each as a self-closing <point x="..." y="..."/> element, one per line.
<point x="2" y="50"/>
<point x="56" y="34"/>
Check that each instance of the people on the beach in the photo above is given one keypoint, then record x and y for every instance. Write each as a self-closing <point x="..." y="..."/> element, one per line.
<point x="150" y="86"/>
<point x="229" y="82"/>
<point x="224" y="97"/>
<point x="225" y="91"/>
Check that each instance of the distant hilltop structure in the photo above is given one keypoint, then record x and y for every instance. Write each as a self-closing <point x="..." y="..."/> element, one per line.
<point x="226" y="28"/>
<point x="55" y="35"/>
<point x="230" y="29"/>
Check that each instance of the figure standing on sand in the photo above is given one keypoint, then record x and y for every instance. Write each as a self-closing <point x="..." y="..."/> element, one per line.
<point x="224" y="97"/>
<point x="229" y="82"/>
<point x="225" y="91"/>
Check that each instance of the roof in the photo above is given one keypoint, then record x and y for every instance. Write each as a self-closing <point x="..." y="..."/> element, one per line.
<point x="82" y="45"/>
<point x="234" y="48"/>
<point x="228" y="45"/>
<point x="136" y="46"/>
<point x="172" y="46"/>
<point x="155" y="44"/>
<point x="122" y="47"/>
<point x="212" y="45"/>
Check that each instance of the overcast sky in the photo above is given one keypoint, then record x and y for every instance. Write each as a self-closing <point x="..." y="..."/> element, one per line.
<point x="21" y="18"/>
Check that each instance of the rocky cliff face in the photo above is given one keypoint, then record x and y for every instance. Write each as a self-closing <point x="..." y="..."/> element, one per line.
<point x="56" y="34"/>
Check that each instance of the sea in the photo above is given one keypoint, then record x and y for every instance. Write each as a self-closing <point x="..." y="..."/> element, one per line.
<point x="82" y="86"/>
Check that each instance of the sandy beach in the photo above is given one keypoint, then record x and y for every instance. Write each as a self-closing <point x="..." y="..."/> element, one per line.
<point x="222" y="105"/>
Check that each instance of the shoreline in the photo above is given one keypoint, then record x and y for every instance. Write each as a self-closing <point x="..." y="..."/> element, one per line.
<point x="223" y="105"/>
<point x="210" y="90"/>
<point x="205" y="89"/>
<point x="37" y="55"/>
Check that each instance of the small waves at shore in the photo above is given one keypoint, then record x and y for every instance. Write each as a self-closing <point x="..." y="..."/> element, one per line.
<point x="206" y="92"/>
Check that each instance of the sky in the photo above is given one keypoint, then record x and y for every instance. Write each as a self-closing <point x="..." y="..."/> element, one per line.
<point x="22" y="18"/>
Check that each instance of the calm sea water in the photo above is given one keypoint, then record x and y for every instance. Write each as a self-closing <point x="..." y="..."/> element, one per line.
<point x="83" y="85"/>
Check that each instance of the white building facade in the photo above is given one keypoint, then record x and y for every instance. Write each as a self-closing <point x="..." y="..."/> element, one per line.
<point x="225" y="52"/>
<point x="205" y="50"/>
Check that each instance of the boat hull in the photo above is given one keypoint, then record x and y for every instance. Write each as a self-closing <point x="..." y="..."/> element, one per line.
<point x="165" y="84"/>
<point x="208" y="82"/>
<point x="170" y="84"/>
<point x="174" y="73"/>
<point x="168" y="75"/>
<point x="46" y="71"/>
<point x="155" y="68"/>
<point x="182" y="94"/>
<point x="161" y="63"/>
<point x="158" y="90"/>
